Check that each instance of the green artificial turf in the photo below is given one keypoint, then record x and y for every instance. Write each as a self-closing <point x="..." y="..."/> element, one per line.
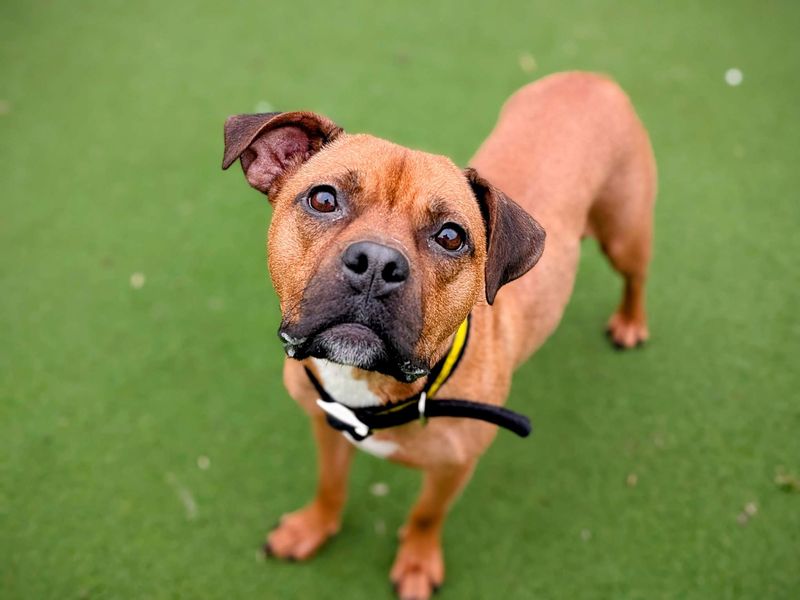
<point x="110" y="396"/>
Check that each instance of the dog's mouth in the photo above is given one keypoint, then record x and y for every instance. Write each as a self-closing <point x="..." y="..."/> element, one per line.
<point x="351" y="344"/>
<point x="355" y="345"/>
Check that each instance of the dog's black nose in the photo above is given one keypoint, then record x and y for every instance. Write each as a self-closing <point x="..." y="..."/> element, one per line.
<point x="374" y="268"/>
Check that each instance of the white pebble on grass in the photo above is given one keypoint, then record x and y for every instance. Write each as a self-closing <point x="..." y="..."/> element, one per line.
<point x="262" y="106"/>
<point x="184" y="495"/>
<point x="380" y="527"/>
<point x="379" y="489"/>
<point x="527" y="62"/>
<point x="750" y="510"/>
<point x="137" y="280"/>
<point x="733" y="77"/>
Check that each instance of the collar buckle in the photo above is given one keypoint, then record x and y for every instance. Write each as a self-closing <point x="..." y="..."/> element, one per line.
<point x="342" y="413"/>
<point x="423" y="418"/>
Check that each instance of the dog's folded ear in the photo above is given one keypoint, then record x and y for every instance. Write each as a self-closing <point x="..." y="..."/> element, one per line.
<point x="515" y="241"/>
<point x="270" y="145"/>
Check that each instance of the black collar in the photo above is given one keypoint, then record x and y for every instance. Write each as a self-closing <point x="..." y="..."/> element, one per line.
<point x="359" y="423"/>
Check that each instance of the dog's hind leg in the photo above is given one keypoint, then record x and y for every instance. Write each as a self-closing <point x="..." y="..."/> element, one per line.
<point x="622" y="221"/>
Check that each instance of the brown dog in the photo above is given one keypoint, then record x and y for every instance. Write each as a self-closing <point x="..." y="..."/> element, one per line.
<point x="379" y="253"/>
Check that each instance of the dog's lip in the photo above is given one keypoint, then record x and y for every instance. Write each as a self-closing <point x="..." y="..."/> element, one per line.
<point x="293" y="343"/>
<point x="356" y="328"/>
<point x="291" y="340"/>
<point x="353" y="333"/>
<point x="298" y="346"/>
<point x="345" y="328"/>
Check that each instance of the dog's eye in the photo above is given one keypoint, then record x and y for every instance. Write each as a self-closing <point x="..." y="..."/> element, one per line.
<point x="450" y="237"/>
<point x="322" y="199"/>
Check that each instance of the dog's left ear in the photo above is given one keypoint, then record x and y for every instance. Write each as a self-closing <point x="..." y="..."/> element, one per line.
<point x="515" y="241"/>
<point x="271" y="145"/>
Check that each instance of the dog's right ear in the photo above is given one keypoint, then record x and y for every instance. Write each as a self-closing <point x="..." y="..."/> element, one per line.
<point x="515" y="240"/>
<point x="270" y="145"/>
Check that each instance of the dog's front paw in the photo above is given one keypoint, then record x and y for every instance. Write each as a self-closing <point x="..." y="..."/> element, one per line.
<point x="626" y="332"/>
<point x="418" y="570"/>
<point x="300" y="534"/>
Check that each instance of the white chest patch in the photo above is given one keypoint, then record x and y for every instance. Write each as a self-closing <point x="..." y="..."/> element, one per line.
<point x="339" y="382"/>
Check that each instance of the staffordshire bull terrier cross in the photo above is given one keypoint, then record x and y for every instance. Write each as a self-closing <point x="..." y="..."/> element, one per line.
<point x="389" y="262"/>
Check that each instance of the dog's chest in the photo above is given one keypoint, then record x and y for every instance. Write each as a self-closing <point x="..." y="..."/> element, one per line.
<point x="339" y="382"/>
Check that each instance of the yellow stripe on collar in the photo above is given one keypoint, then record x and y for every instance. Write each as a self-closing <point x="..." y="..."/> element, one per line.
<point x="452" y="358"/>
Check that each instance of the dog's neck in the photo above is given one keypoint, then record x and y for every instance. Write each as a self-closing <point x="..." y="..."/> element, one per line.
<point x="358" y="388"/>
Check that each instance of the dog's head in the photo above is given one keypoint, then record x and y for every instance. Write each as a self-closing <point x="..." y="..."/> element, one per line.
<point x="377" y="252"/>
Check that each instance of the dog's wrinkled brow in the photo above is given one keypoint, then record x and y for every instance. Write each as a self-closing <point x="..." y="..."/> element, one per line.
<point x="439" y="210"/>
<point x="349" y="181"/>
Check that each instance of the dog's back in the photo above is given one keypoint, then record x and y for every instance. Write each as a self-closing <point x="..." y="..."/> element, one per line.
<point x="571" y="150"/>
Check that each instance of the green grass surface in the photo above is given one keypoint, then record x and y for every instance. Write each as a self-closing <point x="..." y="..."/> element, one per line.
<point x="110" y="144"/>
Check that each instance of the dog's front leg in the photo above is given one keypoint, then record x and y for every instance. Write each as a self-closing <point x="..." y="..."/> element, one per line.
<point x="418" y="569"/>
<point x="301" y="533"/>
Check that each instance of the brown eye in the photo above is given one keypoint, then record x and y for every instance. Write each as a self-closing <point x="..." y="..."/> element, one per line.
<point x="323" y="199"/>
<point x="450" y="237"/>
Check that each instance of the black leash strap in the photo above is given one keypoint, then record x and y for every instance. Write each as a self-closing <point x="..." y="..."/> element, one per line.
<point x="360" y="422"/>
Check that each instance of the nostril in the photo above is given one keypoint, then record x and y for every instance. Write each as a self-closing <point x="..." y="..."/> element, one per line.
<point x="357" y="262"/>
<point x="393" y="273"/>
<point x="361" y="264"/>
